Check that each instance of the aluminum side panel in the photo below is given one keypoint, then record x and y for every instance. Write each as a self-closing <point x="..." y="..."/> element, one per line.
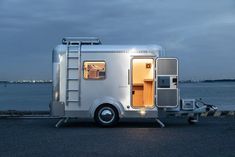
<point x="114" y="85"/>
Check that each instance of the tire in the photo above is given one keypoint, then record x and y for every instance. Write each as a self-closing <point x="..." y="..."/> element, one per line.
<point x="106" y="115"/>
<point x="192" y="120"/>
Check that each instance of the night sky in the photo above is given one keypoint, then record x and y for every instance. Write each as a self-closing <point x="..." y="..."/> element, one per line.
<point x="200" y="33"/>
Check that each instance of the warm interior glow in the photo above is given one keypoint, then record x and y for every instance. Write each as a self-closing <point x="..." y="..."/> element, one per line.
<point x="94" y="70"/>
<point x="142" y="83"/>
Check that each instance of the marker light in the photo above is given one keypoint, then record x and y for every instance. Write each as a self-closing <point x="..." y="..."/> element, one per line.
<point x="142" y="111"/>
<point x="133" y="50"/>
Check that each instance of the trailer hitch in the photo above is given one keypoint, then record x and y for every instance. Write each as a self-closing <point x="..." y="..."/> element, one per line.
<point x="211" y="108"/>
<point x="208" y="107"/>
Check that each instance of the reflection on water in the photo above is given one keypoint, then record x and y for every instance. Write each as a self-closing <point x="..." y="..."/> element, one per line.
<point x="38" y="96"/>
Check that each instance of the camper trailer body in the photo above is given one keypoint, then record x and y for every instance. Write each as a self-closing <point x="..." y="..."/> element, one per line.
<point x="134" y="81"/>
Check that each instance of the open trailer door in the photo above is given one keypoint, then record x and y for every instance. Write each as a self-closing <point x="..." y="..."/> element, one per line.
<point x="167" y="82"/>
<point x="142" y="82"/>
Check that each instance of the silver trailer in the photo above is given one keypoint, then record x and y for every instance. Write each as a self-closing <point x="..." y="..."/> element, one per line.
<point x="109" y="82"/>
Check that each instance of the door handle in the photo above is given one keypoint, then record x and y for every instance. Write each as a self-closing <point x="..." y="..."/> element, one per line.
<point x="174" y="80"/>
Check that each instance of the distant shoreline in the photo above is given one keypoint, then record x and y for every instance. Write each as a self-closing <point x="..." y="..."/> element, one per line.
<point x="50" y="81"/>
<point x="26" y="82"/>
<point x="208" y="81"/>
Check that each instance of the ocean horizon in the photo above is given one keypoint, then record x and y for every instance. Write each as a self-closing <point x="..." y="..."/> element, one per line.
<point x="37" y="96"/>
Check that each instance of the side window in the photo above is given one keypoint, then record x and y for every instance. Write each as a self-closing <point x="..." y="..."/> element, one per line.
<point x="94" y="70"/>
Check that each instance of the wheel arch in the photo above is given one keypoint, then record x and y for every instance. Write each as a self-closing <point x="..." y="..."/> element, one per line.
<point x="107" y="100"/>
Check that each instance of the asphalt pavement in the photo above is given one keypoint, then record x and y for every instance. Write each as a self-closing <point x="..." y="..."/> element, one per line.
<point x="211" y="137"/>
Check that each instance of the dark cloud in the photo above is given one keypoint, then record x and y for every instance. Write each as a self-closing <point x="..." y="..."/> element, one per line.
<point x="200" y="33"/>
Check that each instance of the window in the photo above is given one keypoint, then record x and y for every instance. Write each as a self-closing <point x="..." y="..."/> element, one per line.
<point x="164" y="82"/>
<point x="94" y="70"/>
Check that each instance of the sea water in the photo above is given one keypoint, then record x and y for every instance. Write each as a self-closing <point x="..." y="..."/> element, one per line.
<point x="30" y="96"/>
<point x="26" y="96"/>
<point x="221" y="94"/>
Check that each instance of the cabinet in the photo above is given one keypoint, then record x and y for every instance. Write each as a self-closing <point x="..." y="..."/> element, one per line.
<point x="142" y="94"/>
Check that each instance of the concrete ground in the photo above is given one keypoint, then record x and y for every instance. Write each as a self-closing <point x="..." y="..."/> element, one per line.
<point x="212" y="137"/>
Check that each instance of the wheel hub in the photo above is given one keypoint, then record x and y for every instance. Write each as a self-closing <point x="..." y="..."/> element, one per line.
<point x="106" y="115"/>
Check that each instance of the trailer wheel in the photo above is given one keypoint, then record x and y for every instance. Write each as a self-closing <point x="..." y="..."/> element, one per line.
<point x="192" y="120"/>
<point x="106" y="115"/>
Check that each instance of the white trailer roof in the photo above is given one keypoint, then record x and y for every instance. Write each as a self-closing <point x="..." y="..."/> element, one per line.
<point x="134" y="49"/>
<point x="121" y="48"/>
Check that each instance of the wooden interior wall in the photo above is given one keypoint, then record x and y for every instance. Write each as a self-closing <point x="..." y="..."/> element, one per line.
<point x="148" y="95"/>
<point x="138" y="96"/>
<point x="140" y="72"/>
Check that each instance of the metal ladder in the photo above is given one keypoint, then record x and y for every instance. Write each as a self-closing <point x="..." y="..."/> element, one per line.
<point x="73" y="81"/>
<point x="73" y="70"/>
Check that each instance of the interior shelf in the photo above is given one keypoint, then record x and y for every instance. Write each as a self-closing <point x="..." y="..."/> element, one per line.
<point x="138" y="84"/>
<point x="148" y="80"/>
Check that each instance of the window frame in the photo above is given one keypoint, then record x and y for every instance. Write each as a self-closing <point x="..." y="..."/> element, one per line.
<point x="94" y="61"/>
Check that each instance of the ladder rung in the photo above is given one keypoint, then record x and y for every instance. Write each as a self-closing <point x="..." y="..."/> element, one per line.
<point x="73" y="68"/>
<point x="73" y="51"/>
<point x="73" y="101"/>
<point x="72" y="79"/>
<point x="73" y="45"/>
<point x="73" y="57"/>
<point x="72" y="90"/>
